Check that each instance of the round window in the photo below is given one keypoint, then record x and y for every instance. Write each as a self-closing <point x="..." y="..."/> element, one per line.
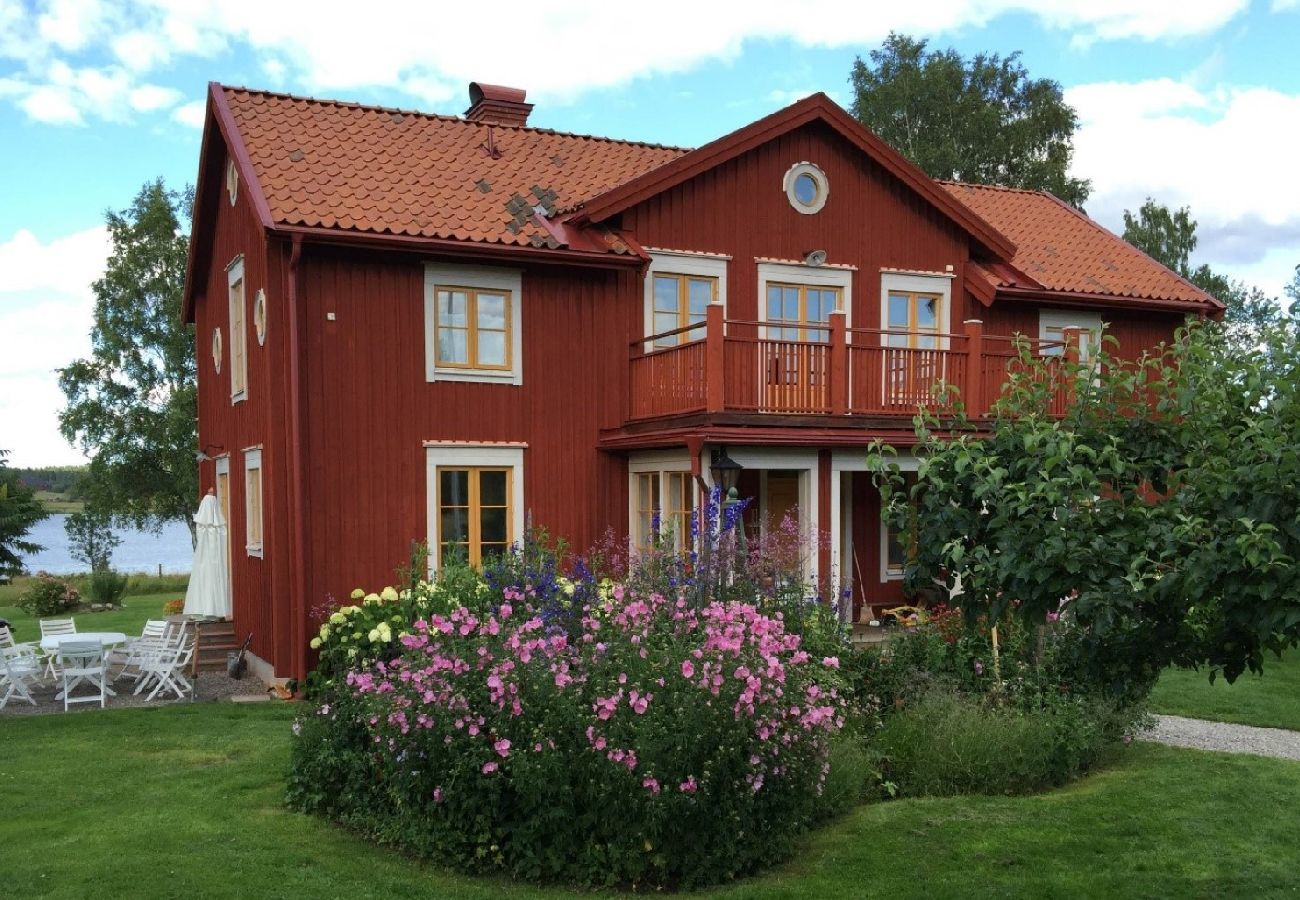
<point x="259" y="316"/>
<point x="216" y="349"/>
<point x="806" y="187"/>
<point x="232" y="181"/>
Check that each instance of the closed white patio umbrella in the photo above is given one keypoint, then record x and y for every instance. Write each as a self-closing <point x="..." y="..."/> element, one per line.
<point x="209" y="591"/>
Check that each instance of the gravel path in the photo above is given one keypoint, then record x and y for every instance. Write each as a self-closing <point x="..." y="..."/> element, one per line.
<point x="210" y="686"/>
<point x="1200" y="734"/>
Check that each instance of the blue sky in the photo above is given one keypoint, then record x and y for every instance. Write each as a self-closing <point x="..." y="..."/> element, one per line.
<point x="1196" y="103"/>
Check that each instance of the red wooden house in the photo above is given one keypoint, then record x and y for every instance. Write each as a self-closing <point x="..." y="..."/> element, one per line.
<point x="417" y="326"/>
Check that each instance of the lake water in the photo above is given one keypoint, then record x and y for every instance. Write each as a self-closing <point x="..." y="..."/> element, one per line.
<point x="140" y="551"/>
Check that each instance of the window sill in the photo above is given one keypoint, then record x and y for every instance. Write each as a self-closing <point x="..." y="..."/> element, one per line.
<point x="254" y="550"/>
<point x="238" y="398"/>
<point x="484" y="376"/>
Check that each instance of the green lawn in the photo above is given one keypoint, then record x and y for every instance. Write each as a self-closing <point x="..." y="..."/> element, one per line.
<point x="1271" y="700"/>
<point x="185" y="801"/>
<point x="129" y="619"/>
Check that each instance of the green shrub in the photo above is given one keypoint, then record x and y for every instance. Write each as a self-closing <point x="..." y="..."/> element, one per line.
<point x="49" y="596"/>
<point x="107" y="587"/>
<point x="952" y="743"/>
<point x="659" y="744"/>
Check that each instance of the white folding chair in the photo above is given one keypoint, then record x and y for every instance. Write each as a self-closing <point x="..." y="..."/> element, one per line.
<point x="83" y="661"/>
<point x="52" y="627"/>
<point x="18" y="667"/>
<point x="9" y="642"/>
<point x="133" y="651"/>
<point x="163" y="667"/>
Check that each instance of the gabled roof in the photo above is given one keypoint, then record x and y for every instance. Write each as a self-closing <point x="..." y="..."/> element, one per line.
<point x="813" y="108"/>
<point x="382" y="171"/>
<point x="1059" y="250"/>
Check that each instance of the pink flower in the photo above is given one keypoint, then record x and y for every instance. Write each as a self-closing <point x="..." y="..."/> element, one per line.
<point x="689" y="786"/>
<point x="1053" y="616"/>
<point x="503" y="747"/>
<point x="979" y="667"/>
<point x="650" y="784"/>
<point x="688" y="668"/>
<point x="437" y="795"/>
<point x="831" y="662"/>
<point x="489" y="768"/>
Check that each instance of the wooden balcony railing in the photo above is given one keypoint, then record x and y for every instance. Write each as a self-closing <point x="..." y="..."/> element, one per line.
<point x="833" y="371"/>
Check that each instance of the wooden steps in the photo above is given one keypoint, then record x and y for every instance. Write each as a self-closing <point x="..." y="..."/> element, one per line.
<point x="215" y="640"/>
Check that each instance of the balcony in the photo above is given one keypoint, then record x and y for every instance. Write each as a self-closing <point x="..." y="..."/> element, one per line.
<point x="846" y="372"/>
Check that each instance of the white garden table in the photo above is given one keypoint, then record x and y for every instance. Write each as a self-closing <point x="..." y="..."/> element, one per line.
<point x="106" y="638"/>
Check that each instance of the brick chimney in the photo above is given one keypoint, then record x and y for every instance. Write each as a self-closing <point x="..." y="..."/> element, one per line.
<point x="493" y="104"/>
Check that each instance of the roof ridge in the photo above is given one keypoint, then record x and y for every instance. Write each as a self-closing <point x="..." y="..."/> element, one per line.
<point x="445" y="117"/>
<point x="996" y="187"/>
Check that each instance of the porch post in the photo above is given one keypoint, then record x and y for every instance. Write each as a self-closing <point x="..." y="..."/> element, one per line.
<point x="825" y="516"/>
<point x="976" y="402"/>
<point x="839" y="364"/>
<point x="715" y="359"/>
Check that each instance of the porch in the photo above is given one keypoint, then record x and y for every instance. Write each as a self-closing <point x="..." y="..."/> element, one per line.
<point x="741" y="366"/>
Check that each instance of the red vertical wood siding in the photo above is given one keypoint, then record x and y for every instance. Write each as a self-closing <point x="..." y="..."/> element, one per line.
<point x="870" y="221"/>
<point x="259" y="587"/>
<point x="368" y="409"/>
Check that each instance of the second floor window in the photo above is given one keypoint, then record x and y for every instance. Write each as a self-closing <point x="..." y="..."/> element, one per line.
<point x="681" y="300"/>
<point x="797" y="312"/>
<point x="473" y="328"/>
<point x="238" y="332"/>
<point x="913" y="319"/>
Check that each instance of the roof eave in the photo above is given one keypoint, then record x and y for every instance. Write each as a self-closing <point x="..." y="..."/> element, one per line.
<point x="1209" y="308"/>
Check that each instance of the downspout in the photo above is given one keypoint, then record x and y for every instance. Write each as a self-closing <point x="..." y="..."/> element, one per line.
<point x="298" y="606"/>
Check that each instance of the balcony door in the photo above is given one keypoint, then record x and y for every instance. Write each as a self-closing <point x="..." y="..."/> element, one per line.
<point x="795" y="356"/>
<point x="913" y="363"/>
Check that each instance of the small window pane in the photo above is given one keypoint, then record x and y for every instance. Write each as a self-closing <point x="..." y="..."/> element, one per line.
<point x="452" y="308"/>
<point x="774" y="301"/>
<point x="927" y="315"/>
<point x="453" y="345"/>
<point x="666" y="293"/>
<point x="898" y="308"/>
<point x="492" y="311"/>
<point x="454" y="487"/>
<point x="790" y="304"/>
<point x="491" y="348"/>
<point x="455" y="525"/>
<point x="492" y="488"/>
<point x="665" y="322"/>
<point x="805" y="189"/>
<point x="700" y="296"/>
<point x="492" y="525"/>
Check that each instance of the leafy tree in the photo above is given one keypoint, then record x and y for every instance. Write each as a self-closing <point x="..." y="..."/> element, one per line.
<point x="91" y="539"/>
<point x="1169" y="237"/>
<point x="983" y="120"/>
<point x="131" y="403"/>
<point x="1163" y="511"/>
<point x="19" y="511"/>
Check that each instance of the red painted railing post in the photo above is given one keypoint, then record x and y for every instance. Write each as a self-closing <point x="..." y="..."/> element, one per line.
<point x="976" y="398"/>
<point x="715" y="359"/>
<point x="839" y="364"/>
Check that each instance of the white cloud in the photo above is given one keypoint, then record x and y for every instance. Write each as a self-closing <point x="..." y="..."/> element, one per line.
<point x="191" y="114"/>
<point x="152" y="97"/>
<point x="50" y="104"/>
<point x="1227" y="153"/>
<point x="45" y="297"/>
<point x="436" y="48"/>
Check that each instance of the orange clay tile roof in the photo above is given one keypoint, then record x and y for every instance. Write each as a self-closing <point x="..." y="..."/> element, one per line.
<point x="1064" y="250"/>
<point x="325" y="163"/>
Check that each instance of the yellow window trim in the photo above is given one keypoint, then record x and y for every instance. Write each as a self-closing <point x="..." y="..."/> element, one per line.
<point x="474" y="511"/>
<point x="822" y="331"/>
<point x="683" y="310"/>
<point x="471" y="328"/>
<point x="914" y="330"/>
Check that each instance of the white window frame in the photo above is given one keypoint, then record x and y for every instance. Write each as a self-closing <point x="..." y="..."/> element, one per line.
<point x="823" y="276"/>
<point x="682" y="262"/>
<point x="919" y="283"/>
<point x="458" y="455"/>
<point x="1072" y="318"/>
<point x="663" y="465"/>
<point x="483" y="278"/>
<point x="253" y="460"/>
<point x="235" y="275"/>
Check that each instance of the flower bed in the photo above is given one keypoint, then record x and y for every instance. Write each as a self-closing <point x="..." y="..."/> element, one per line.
<point x="647" y="740"/>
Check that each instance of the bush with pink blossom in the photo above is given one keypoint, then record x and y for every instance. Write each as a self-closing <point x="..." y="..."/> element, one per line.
<point x="650" y="740"/>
